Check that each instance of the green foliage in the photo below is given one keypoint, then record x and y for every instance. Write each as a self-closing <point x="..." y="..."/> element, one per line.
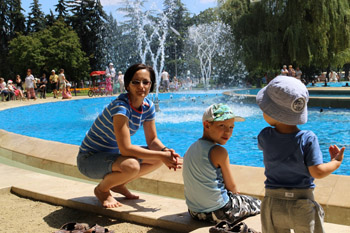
<point x="53" y="48"/>
<point x="205" y="17"/>
<point x="11" y="21"/>
<point x="88" y="20"/>
<point x="25" y="52"/>
<point x="304" y="33"/>
<point x="175" y="44"/>
<point x="61" y="9"/>
<point x="36" y="18"/>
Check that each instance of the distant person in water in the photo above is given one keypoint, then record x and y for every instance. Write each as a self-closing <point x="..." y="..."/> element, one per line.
<point x="107" y="152"/>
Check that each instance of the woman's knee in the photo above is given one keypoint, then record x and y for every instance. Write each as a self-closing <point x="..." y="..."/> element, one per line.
<point x="131" y="166"/>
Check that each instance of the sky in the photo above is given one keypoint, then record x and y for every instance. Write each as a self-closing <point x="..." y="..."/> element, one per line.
<point x="194" y="6"/>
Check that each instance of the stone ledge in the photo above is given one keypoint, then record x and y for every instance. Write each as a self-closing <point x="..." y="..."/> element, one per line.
<point x="331" y="192"/>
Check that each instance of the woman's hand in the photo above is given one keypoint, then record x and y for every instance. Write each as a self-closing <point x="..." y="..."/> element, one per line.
<point x="171" y="159"/>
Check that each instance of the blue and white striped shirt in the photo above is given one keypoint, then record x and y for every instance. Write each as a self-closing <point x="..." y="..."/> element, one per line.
<point x="101" y="137"/>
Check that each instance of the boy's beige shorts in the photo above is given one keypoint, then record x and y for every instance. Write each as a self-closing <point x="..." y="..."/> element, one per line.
<point x="285" y="209"/>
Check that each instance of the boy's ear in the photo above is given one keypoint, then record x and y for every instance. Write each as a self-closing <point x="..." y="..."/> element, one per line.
<point x="206" y="124"/>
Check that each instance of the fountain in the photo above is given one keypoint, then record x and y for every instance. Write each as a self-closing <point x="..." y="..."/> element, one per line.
<point x="150" y="33"/>
<point x="207" y="38"/>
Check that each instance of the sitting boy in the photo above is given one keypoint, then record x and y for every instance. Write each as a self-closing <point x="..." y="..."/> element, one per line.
<point x="210" y="191"/>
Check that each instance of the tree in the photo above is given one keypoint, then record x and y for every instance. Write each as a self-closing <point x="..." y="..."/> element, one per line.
<point x="61" y="9"/>
<point x="17" y="19"/>
<point x="128" y="31"/>
<point x="36" y="18"/>
<point x="52" y="48"/>
<point x="4" y="35"/>
<point x="50" y="19"/>
<point x="11" y="22"/>
<point x="110" y="47"/>
<point x="303" y="33"/>
<point x="179" y="22"/>
<point x="88" y="20"/>
<point x="26" y="52"/>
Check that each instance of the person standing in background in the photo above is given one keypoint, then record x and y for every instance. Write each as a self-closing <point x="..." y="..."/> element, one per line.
<point x="54" y="82"/>
<point x="111" y="71"/>
<point x="42" y="86"/>
<point x="121" y="81"/>
<point x="30" y="84"/>
<point x="165" y="81"/>
<point x="62" y="80"/>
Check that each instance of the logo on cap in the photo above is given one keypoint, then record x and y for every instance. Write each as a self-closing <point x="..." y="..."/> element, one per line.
<point x="298" y="105"/>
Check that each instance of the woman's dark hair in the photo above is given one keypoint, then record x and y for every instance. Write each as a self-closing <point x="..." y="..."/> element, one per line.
<point x="130" y="72"/>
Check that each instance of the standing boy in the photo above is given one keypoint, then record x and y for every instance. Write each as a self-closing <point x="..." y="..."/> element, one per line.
<point x="292" y="159"/>
<point x="210" y="190"/>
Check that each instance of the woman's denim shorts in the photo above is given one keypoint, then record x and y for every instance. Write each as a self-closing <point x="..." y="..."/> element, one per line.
<point x="96" y="165"/>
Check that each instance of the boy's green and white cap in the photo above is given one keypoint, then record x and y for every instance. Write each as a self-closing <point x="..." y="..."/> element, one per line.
<point x="219" y="112"/>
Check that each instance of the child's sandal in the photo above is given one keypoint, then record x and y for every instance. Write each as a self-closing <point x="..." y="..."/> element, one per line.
<point x="226" y="227"/>
<point x="99" y="229"/>
<point x="74" y="227"/>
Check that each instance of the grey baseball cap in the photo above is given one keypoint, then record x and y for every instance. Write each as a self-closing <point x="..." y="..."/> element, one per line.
<point x="285" y="100"/>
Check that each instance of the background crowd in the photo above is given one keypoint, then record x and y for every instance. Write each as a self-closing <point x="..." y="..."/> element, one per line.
<point x="32" y="87"/>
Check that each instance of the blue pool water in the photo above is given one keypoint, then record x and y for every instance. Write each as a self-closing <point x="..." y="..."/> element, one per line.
<point x="178" y="124"/>
<point x="312" y="93"/>
<point x="329" y="84"/>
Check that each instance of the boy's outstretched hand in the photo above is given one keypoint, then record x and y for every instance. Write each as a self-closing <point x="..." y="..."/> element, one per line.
<point x="336" y="153"/>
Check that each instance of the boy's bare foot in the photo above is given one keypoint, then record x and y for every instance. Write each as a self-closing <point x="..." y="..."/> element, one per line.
<point x="106" y="199"/>
<point x="124" y="191"/>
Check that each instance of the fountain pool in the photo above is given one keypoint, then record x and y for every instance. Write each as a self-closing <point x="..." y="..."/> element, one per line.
<point x="178" y="124"/>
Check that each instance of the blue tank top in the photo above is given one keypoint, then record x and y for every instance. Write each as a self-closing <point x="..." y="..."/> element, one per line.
<point x="204" y="185"/>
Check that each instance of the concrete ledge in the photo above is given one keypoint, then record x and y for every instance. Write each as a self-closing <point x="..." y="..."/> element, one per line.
<point x="331" y="192"/>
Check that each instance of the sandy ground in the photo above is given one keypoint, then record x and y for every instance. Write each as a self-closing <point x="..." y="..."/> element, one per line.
<point x="22" y="215"/>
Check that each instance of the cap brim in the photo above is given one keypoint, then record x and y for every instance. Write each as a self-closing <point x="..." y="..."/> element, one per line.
<point x="239" y="119"/>
<point x="279" y="113"/>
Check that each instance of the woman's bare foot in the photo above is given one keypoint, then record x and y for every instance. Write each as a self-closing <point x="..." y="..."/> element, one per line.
<point x="124" y="191"/>
<point x="106" y="199"/>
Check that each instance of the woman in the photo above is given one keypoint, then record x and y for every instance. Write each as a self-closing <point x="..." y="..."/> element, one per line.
<point x="19" y="82"/>
<point x="107" y="152"/>
<point x="30" y="84"/>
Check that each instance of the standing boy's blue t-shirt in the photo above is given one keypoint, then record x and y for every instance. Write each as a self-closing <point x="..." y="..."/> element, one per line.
<point x="288" y="156"/>
<point x="101" y="135"/>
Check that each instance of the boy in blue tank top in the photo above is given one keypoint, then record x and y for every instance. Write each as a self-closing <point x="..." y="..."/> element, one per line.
<point x="292" y="159"/>
<point x="210" y="190"/>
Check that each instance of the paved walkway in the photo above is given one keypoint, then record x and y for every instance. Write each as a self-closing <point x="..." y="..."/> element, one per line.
<point x="152" y="210"/>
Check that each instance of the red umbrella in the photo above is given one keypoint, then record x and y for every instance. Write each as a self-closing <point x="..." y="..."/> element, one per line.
<point x="97" y="73"/>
